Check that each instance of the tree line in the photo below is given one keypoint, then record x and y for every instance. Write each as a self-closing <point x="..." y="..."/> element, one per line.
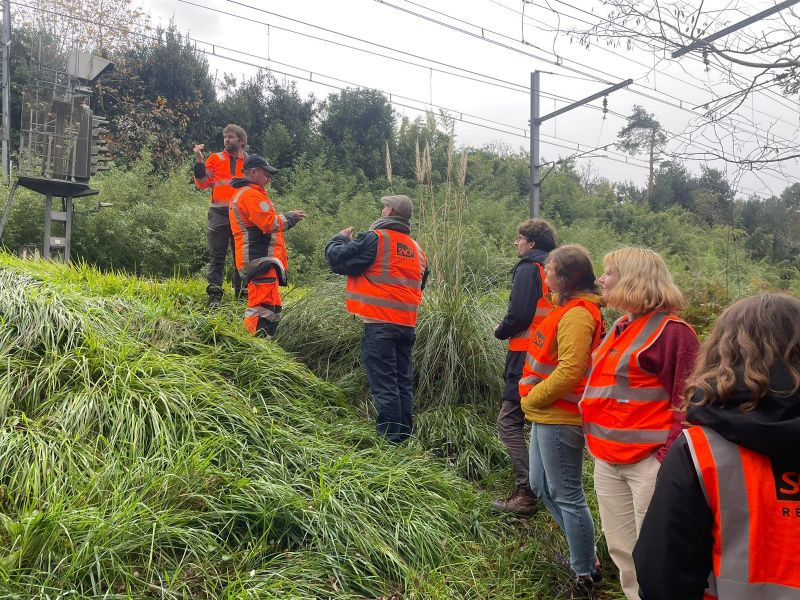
<point x="162" y="98"/>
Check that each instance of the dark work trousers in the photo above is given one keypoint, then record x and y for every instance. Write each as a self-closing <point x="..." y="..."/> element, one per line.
<point x="511" y="420"/>
<point x="386" y="353"/>
<point x="219" y="238"/>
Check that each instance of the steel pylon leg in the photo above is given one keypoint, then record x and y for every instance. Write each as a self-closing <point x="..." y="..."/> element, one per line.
<point x="7" y="209"/>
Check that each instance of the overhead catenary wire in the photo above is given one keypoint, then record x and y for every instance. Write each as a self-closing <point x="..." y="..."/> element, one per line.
<point x="779" y="99"/>
<point x="558" y="63"/>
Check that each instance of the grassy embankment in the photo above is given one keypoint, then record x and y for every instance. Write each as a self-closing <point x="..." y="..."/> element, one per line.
<point x="152" y="450"/>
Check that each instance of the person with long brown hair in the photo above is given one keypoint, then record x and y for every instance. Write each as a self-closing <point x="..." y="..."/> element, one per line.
<point x="630" y="406"/>
<point x="552" y="382"/>
<point x="724" y="521"/>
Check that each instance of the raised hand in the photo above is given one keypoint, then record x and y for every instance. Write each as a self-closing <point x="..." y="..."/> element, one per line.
<point x="198" y="152"/>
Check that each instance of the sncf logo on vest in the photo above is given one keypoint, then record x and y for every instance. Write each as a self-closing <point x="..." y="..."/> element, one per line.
<point x="787" y="487"/>
<point x="404" y="251"/>
<point x="538" y="339"/>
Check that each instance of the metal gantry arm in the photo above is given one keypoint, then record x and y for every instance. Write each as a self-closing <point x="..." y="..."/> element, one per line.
<point x="731" y="28"/>
<point x="536" y="122"/>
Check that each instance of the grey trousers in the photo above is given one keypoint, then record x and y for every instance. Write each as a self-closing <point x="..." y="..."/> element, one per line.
<point x="219" y="238"/>
<point x="511" y="420"/>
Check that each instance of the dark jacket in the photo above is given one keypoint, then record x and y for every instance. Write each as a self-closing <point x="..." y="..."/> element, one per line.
<point x="526" y="289"/>
<point x="673" y="554"/>
<point x="354" y="257"/>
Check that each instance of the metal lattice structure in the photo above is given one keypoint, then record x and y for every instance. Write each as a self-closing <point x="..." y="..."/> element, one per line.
<point x="58" y="126"/>
<point x="61" y="141"/>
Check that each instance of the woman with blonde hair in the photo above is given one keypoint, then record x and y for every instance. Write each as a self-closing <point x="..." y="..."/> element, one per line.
<point x="725" y="513"/>
<point x="631" y="404"/>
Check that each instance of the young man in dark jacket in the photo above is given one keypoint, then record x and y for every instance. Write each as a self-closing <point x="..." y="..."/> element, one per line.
<point x="527" y="305"/>
<point x="386" y="272"/>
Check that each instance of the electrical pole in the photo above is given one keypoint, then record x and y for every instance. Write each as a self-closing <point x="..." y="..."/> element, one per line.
<point x="6" y="84"/>
<point x="536" y="122"/>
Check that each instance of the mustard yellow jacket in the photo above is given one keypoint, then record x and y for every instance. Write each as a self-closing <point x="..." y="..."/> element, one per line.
<point x="574" y="340"/>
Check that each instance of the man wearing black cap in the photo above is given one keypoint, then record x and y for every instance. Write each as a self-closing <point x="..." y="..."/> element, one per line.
<point x="259" y="248"/>
<point x="386" y="271"/>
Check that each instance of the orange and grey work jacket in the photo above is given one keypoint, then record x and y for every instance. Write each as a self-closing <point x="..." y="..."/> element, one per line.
<point x="221" y="169"/>
<point x="756" y="519"/>
<point x="258" y="232"/>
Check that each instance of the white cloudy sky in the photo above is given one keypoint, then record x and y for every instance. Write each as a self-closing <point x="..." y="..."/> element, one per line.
<point x="671" y="89"/>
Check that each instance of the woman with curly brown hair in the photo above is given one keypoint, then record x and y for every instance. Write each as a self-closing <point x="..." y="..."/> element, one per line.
<point x="724" y="521"/>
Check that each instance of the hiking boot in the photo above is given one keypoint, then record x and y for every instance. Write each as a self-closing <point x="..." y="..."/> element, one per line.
<point x="522" y="502"/>
<point x="214" y="300"/>
<point x="241" y="294"/>
<point x="214" y="296"/>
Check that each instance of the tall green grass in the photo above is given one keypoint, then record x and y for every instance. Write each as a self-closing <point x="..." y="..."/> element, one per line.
<point x="149" y="449"/>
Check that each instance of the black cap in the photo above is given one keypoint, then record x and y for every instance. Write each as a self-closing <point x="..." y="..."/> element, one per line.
<point x="254" y="160"/>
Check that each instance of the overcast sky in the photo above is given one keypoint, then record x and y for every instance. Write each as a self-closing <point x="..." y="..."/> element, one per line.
<point x="669" y="88"/>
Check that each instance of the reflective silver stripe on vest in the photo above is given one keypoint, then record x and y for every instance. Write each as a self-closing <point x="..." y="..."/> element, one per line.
<point x="530" y="380"/>
<point x="541" y="367"/>
<point x="622" y="389"/>
<point x="238" y="216"/>
<point x="631" y="436"/>
<point x="386" y="256"/>
<point x="381" y="302"/>
<point x="249" y="265"/>
<point x="734" y="517"/>
<point x="264" y="313"/>
<point x="572" y="397"/>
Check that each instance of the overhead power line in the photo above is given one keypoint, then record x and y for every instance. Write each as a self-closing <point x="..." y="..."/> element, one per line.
<point x="778" y="99"/>
<point x="561" y="64"/>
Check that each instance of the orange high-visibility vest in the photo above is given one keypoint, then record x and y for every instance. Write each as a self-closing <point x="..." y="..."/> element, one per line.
<point x="390" y="290"/>
<point x="627" y="414"/>
<point x="756" y="510"/>
<point x="519" y="342"/>
<point x="542" y="358"/>
<point x="257" y="233"/>
<point x="219" y="177"/>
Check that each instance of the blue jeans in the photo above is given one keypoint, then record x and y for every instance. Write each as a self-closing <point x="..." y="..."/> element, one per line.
<point x="386" y="353"/>
<point x="556" y="464"/>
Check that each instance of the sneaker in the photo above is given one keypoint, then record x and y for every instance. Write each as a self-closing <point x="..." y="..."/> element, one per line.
<point x="580" y="588"/>
<point x="521" y="502"/>
<point x="597" y="574"/>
